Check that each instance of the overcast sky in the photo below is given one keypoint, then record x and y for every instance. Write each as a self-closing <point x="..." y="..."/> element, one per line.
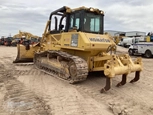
<point x="32" y="15"/>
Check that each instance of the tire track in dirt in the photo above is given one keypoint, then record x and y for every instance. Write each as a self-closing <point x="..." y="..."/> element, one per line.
<point x="62" y="97"/>
<point x="17" y="99"/>
<point x="122" y="100"/>
<point x="131" y="99"/>
<point x="136" y="97"/>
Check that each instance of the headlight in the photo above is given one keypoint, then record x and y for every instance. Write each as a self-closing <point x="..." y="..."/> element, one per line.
<point x="102" y="12"/>
<point x="91" y="9"/>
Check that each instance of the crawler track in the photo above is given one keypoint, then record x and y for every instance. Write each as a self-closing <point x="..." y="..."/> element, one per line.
<point x="72" y="68"/>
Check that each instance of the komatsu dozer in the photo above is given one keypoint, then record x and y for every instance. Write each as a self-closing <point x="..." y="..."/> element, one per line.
<point x="24" y="36"/>
<point x="74" y="44"/>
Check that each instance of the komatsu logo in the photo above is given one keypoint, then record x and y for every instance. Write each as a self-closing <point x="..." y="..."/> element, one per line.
<point x="99" y="40"/>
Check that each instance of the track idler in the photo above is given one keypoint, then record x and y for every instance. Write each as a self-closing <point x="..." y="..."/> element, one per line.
<point x="121" y="65"/>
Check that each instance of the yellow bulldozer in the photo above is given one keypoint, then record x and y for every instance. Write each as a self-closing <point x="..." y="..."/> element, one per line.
<point x="22" y="36"/>
<point x="78" y="46"/>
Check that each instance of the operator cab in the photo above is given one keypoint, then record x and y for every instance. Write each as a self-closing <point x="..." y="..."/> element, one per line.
<point x="82" y="19"/>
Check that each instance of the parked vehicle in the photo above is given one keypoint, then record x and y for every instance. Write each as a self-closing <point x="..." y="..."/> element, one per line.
<point x="127" y="41"/>
<point x="2" y="41"/>
<point x="142" y="48"/>
<point x="15" y="41"/>
<point x="22" y="37"/>
<point x="7" y="41"/>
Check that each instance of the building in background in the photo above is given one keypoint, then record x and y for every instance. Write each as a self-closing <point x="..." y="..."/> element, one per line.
<point x="135" y="34"/>
<point x="128" y="34"/>
<point x="113" y="32"/>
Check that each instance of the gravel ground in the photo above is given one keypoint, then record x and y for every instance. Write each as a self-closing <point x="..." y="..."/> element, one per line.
<point x="25" y="90"/>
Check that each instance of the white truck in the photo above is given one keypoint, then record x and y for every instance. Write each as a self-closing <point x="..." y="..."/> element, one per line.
<point x="127" y="41"/>
<point x="142" y="48"/>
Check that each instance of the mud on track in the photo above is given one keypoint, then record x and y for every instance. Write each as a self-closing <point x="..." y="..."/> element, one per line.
<point x="60" y="98"/>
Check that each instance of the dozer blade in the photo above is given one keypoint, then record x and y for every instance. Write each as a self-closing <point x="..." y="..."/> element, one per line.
<point x="24" y="54"/>
<point x="121" y="65"/>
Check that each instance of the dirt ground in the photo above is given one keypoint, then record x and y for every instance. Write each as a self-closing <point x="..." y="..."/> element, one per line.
<point x="25" y="90"/>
